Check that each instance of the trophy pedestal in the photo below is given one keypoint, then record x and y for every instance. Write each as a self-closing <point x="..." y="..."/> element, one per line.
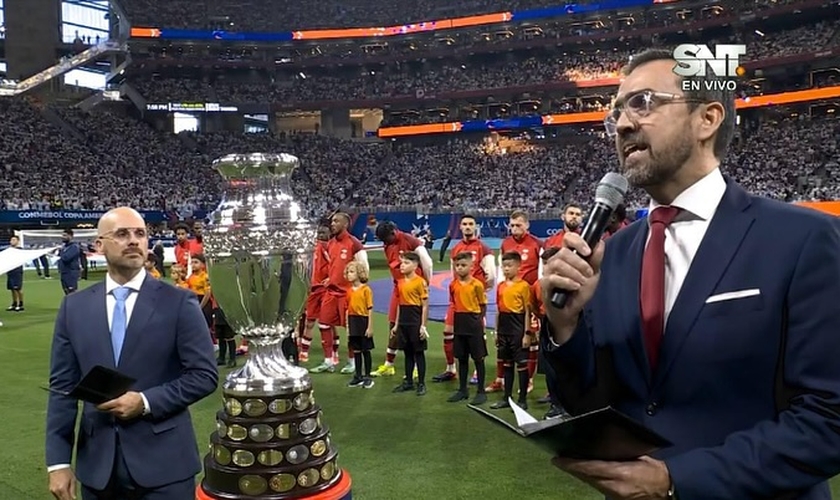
<point x="339" y="491"/>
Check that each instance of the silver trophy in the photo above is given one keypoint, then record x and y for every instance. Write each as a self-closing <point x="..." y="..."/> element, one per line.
<point x="270" y="440"/>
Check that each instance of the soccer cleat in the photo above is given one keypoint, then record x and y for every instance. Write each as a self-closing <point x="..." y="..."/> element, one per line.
<point x="11" y="308"/>
<point x="368" y="382"/>
<point x="458" y="396"/>
<point x="473" y="380"/>
<point x="522" y="404"/>
<point x="421" y="389"/>
<point x="348" y="369"/>
<point x="384" y="371"/>
<point x="498" y="405"/>
<point x="556" y="412"/>
<point x="495" y="386"/>
<point x="19" y="309"/>
<point x="404" y="387"/>
<point x="444" y="377"/>
<point x="303" y="357"/>
<point x="323" y="367"/>
<point x="356" y="382"/>
<point x="479" y="399"/>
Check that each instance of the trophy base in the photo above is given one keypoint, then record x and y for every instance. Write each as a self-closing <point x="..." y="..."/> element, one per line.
<point x="339" y="491"/>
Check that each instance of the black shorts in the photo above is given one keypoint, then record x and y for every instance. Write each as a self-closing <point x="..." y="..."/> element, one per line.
<point x="207" y="310"/>
<point x="224" y="332"/>
<point x="14" y="280"/>
<point x="356" y="328"/>
<point x="469" y="346"/>
<point x="509" y="348"/>
<point x="408" y="337"/>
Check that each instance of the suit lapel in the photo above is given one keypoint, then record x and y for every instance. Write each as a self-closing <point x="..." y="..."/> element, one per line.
<point x="143" y="310"/>
<point x="630" y="298"/>
<point x="724" y="236"/>
<point x="99" y="320"/>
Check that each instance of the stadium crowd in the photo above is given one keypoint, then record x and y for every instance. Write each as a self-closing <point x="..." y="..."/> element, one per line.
<point x="277" y="15"/>
<point x="448" y="75"/>
<point x="121" y="160"/>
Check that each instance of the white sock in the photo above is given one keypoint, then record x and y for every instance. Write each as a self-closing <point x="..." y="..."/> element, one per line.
<point x="450" y="368"/>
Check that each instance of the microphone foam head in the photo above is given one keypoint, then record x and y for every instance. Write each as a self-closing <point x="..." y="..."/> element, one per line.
<point x="611" y="190"/>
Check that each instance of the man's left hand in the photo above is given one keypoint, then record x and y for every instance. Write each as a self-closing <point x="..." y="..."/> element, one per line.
<point x="641" y="479"/>
<point x="125" y="407"/>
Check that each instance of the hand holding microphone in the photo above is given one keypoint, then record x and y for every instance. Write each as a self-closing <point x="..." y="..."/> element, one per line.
<point x="571" y="276"/>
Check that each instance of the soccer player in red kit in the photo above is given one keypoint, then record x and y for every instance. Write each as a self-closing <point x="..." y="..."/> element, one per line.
<point x="483" y="269"/>
<point x="529" y="247"/>
<point x="342" y="248"/>
<point x="572" y="219"/>
<point x="317" y="288"/>
<point x="398" y="243"/>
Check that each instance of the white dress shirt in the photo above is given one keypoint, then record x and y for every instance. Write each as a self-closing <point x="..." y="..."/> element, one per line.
<point x="683" y="237"/>
<point x="110" y="303"/>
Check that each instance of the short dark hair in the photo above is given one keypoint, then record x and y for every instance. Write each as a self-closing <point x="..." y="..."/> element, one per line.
<point x="572" y="205"/>
<point x="463" y="256"/>
<point x="384" y="229"/>
<point x="507" y="256"/>
<point x="411" y="256"/>
<point x="706" y="94"/>
<point x="68" y="232"/>
<point x="199" y="257"/>
<point x="183" y="226"/>
<point x="468" y="216"/>
<point x="549" y="253"/>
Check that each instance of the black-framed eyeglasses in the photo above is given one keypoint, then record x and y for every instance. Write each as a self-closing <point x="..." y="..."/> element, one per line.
<point x="639" y="105"/>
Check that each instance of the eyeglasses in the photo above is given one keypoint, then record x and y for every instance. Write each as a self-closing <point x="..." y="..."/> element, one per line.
<point x="125" y="234"/>
<point x="640" y="105"/>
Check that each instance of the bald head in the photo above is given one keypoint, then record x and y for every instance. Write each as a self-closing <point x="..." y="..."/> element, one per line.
<point x="120" y="217"/>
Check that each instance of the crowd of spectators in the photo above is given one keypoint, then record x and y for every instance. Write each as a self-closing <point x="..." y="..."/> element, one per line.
<point x="107" y="159"/>
<point x="278" y="15"/>
<point x="778" y="159"/>
<point x="436" y="77"/>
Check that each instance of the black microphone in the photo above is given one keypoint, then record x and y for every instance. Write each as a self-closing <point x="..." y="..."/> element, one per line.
<point x="608" y="195"/>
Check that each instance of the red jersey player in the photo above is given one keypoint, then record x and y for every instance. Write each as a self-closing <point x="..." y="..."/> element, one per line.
<point x="342" y="248"/>
<point x="185" y="248"/>
<point x="396" y="244"/>
<point x="572" y="218"/>
<point x="529" y="248"/>
<point x="525" y="244"/>
<point x="317" y="287"/>
<point x="483" y="269"/>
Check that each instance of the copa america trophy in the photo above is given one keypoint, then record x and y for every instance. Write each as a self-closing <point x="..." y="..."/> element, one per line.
<point x="270" y="440"/>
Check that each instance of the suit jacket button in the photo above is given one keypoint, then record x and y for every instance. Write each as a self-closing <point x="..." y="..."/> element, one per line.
<point x="651" y="409"/>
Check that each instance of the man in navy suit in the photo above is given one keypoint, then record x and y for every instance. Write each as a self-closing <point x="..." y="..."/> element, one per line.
<point x="140" y="445"/>
<point x="69" y="262"/>
<point x="714" y="322"/>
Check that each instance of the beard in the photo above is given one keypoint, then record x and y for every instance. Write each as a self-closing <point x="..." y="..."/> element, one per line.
<point x="653" y="167"/>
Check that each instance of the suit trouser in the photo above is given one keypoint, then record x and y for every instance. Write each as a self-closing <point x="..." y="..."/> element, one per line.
<point x="123" y="487"/>
<point x="550" y="377"/>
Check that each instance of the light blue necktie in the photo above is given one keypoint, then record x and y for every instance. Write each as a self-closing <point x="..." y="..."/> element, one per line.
<point x="119" y="321"/>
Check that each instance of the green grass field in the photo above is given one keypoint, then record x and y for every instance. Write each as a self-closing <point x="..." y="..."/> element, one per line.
<point x="393" y="445"/>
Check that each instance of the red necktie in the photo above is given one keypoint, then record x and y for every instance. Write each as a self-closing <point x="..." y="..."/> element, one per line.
<point x="652" y="292"/>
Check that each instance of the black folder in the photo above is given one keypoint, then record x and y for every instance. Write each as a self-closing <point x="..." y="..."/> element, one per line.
<point x="603" y="434"/>
<point x="99" y="385"/>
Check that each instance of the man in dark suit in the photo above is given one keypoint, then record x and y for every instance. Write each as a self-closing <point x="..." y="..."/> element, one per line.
<point x="714" y="322"/>
<point x="69" y="262"/>
<point x="142" y="444"/>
